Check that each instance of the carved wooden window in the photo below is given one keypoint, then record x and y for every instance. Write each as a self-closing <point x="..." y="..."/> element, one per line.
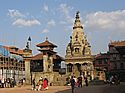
<point x="105" y="61"/>
<point x="100" y="62"/>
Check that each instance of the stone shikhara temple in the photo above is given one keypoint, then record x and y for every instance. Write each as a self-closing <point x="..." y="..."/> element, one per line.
<point x="78" y="56"/>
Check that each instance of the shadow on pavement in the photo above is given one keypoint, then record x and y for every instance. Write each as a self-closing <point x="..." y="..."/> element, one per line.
<point x="65" y="91"/>
<point x="98" y="89"/>
<point x="115" y="89"/>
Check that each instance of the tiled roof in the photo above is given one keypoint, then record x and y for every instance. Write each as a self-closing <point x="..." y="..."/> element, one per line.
<point x="58" y="57"/>
<point x="1" y="55"/>
<point x="40" y="57"/>
<point x="14" y="50"/>
<point x="104" y="55"/>
<point x="20" y="51"/>
<point x="46" y="43"/>
<point x="37" y="57"/>
<point x="117" y="43"/>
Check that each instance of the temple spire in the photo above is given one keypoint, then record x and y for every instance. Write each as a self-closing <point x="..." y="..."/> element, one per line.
<point x="77" y="23"/>
<point x="77" y="16"/>
<point x="46" y="38"/>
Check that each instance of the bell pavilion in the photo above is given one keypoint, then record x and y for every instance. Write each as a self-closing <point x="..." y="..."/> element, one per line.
<point x="78" y="56"/>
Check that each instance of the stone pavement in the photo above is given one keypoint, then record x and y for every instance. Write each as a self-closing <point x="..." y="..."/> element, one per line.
<point x="66" y="89"/>
<point x="27" y="89"/>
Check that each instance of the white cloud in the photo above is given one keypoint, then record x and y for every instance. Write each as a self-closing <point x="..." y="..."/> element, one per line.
<point x="51" y="23"/>
<point x="23" y="22"/>
<point x="15" y="13"/>
<point x="65" y="10"/>
<point x="114" y="21"/>
<point x="63" y="22"/>
<point x="45" y="7"/>
<point x="45" y="31"/>
<point x="20" y="19"/>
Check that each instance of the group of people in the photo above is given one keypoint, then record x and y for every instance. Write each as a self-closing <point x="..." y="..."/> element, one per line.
<point x="7" y="82"/>
<point x="10" y="82"/>
<point x="114" y="80"/>
<point x="42" y="84"/>
<point x="76" y="82"/>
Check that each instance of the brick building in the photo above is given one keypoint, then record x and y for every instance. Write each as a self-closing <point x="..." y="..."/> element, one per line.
<point x="117" y="58"/>
<point x="101" y="65"/>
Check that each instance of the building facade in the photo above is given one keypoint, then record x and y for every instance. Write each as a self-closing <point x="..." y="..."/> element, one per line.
<point x="11" y="63"/>
<point x="101" y="65"/>
<point x="78" y="54"/>
<point x="117" y="58"/>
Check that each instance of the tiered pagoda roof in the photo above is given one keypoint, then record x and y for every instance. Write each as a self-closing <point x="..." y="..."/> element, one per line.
<point x="46" y="47"/>
<point x="46" y="43"/>
<point x="40" y="57"/>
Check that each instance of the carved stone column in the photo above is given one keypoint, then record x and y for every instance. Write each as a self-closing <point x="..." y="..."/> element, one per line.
<point x="45" y="63"/>
<point x="51" y="64"/>
<point x="85" y="70"/>
<point x="92" y="72"/>
<point x="74" y="68"/>
<point x="27" y="71"/>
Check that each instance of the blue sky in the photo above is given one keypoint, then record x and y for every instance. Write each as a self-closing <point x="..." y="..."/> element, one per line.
<point x="103" y="21"/>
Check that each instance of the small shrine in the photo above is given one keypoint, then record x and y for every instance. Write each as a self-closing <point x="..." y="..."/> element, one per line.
<point x="47" y="63"/>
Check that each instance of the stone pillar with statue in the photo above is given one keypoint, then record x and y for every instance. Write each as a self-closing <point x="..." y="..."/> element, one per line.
<point x="27" y="56"/>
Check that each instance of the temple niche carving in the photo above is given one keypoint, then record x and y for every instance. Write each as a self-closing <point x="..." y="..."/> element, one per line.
<point x="78" y="54"/>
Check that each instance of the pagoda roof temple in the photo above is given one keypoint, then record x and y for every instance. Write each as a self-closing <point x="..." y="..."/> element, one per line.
<point x="46" y="43"/>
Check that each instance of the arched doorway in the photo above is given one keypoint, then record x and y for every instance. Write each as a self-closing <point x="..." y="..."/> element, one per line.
<point x="78" y="66"/>
<point x="69" y="67"/>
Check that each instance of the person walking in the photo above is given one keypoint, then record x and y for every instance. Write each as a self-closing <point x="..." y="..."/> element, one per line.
<point x="2" y="82"/>
<point x="40" y="84"/>
<point x="86" y="81"/>
<point x="45" y="84"/>
<point x="34" y="84"/>
<point x="8" y="82"/>
<point x="80" y="81"/>
<point x="72" y="81"/>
